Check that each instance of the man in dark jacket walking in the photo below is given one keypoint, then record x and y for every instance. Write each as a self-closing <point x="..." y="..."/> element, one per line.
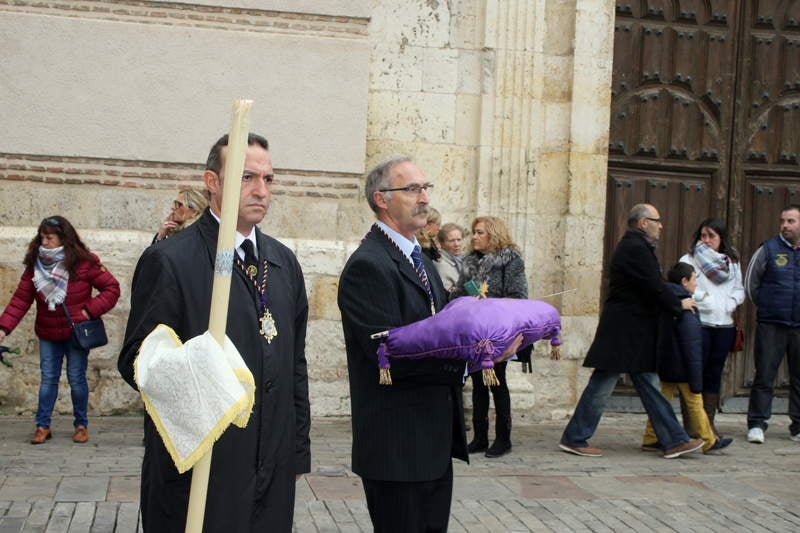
<point x="253" y="469"/>
<point x="627" y="338"/>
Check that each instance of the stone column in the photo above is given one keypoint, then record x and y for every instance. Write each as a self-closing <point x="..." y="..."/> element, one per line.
<point x="511" y="101"/>
<point x="587" y="178"/>
<point x="543" y="138"/>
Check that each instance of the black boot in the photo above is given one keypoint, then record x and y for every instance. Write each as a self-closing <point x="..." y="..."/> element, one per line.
<point x="477" y="445"/>
<point x="502" y="441"/>
<point x="502" y="414"/>
<point x="480" y="417"/>
<point x="480" y="439"/>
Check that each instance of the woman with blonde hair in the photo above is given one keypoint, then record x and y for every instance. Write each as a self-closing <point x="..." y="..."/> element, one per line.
<point x="426" y="236"/>
<point x="496" y="266"/>
<point x="186" y="208"/>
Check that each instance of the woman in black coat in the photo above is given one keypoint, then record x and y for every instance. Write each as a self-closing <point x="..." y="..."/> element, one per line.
<point x="497" y="268"/>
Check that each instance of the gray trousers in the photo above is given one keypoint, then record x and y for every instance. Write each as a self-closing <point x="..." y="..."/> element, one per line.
<point x="772" y="343"/>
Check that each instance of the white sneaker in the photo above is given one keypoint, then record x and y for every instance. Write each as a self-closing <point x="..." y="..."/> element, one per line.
<point x="795" y="437"/>
<point x="755" y="435"/>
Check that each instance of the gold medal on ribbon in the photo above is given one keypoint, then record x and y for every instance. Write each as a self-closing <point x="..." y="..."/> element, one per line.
<point x="268" y="329"/>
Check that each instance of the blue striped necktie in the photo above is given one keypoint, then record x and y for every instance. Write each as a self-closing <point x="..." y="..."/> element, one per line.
<point x="416" y="257"/>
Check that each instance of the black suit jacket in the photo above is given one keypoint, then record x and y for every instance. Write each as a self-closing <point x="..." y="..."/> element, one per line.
<point x="407" y="431"/>
<point x="172" y="285"/>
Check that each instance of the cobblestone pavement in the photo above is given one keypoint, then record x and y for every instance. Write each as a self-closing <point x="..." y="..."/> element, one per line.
<point x="64" y="487"/>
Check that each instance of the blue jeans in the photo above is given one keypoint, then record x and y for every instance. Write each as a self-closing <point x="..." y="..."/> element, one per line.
<point x="772" y="343"/>
<point x="590" y="408"/>
<point x="51" y="355"/>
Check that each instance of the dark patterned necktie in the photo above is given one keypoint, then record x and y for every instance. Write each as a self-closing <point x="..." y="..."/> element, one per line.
<point x="416" y="257"/>
<point x="250" y="260"/>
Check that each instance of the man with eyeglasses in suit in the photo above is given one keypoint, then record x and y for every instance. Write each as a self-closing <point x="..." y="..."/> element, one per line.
<point x="404" y="434"/>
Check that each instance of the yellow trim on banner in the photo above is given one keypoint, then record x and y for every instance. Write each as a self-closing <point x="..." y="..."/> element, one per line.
<point x="238" y="414"/>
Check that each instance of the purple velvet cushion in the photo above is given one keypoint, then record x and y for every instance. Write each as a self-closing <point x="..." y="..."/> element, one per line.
<point x="473" y="330"/>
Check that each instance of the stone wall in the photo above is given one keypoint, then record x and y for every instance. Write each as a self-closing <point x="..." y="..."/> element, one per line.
<point x="111" y="106"/>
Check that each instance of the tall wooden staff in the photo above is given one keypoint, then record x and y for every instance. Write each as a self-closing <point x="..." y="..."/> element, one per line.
<point x="221" y="290"/>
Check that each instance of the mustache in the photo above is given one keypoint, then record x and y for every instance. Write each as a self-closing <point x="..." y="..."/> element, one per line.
<point x="251" y="200"/>
<point x="420" y="210"/>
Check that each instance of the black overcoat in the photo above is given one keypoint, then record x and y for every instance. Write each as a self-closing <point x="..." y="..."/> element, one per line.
<point x="172" y="285"/>
<point x="626" y="340"/>
<point x="407" y="431"/>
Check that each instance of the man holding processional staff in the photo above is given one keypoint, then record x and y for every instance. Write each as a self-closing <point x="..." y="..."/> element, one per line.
<point x="253" y="468"/>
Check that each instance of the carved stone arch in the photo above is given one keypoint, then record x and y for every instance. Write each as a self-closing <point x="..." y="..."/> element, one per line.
<point x="658" y="9"/>
<point x="772" y="134"/>
<point x="676" y="6"/>
<point x="698" y="11"/>
<point x="673" y="124"/>
<point x="708" y="10"/>
<point x="789" y="99"/>
<point x="784" y="14"/>
<point x="670" y="10"/>
<point x="709" y="111"/>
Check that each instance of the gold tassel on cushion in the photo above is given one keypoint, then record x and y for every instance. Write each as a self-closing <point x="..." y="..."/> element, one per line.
<point x="385" y="377"/>
<point x="555" y="353"/>
<point x="490" y="378"/>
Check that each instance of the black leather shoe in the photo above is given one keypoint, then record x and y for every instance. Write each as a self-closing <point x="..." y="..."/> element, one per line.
<point x="477" y="446"/>
<point x="498" y="448"/>
<point x="724" y="442"/>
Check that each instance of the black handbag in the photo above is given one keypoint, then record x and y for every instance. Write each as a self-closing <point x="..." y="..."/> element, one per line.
<point x="89" y="333"/>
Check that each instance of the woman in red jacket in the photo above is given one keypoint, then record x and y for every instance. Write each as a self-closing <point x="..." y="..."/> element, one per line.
<point x="60" y="272"/>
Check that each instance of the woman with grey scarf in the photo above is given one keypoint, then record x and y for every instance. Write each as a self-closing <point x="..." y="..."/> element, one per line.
<point x="496" y="267"/>
<point x="60" y="275"/>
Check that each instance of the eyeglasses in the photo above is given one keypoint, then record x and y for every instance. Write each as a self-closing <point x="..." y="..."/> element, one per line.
<point x="413" y="188"/>
<point x="656" y="220"/>
<point x="177" y="205"/>
<point x="51" y="221"/>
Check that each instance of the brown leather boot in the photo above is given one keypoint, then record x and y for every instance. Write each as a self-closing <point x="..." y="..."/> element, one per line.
<point x="710" y="403"/>
<point x="41" y="435"/>
<point x="81" y="435"/>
